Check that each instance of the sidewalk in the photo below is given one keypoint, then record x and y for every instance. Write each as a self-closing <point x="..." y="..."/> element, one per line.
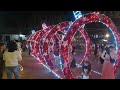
<point x="32" y="69"/>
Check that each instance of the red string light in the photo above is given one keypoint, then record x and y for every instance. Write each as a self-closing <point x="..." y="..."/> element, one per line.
<point x="35" y="39"/>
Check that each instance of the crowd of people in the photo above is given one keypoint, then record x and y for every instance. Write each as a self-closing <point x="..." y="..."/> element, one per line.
<point x="10" y="55"/>
<point x="105" y="55"/>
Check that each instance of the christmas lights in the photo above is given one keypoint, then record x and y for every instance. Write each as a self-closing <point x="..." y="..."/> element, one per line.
<point x="88" y="18"/>
<point x="53" y="31"/>
<point x="35" y="39"/>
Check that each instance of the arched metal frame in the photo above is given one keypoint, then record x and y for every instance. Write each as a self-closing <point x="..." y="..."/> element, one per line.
<point x="77" y="25"/>
<point x="88" y="18"/>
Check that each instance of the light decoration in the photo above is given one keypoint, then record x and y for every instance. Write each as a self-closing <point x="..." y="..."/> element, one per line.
<point x="21" y="35"/>
<point x="104" y="40"/>
<point x="76" y="25"/>
<point x="33" y="31"/>
<point x="38" y="39"/>
<point x="44" y="26"/>
<point x="88" y="18"/>
<point x="77" y="14"/>
<point x="107" y="35"/>
<point x="47" y="67"/>
<point x="36" y="42"/>
<point x="51" y="34"/>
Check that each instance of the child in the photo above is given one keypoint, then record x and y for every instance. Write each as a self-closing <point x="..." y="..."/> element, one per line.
<point x="86" y="69"/>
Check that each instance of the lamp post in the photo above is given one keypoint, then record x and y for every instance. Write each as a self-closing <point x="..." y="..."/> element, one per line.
<point x="107" y="35"/>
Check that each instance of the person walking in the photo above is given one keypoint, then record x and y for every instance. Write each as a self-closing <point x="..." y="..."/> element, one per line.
<point x="11" y="57"/>
<point x="109" y="60"/>
<point x="2" y="64"/>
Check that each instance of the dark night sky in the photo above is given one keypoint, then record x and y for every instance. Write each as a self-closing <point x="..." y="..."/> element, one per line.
<point x="24" y="21"/>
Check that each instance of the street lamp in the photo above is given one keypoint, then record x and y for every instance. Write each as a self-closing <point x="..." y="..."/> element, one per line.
<point x="21" y="35"/>
<point x="107" y="35"/>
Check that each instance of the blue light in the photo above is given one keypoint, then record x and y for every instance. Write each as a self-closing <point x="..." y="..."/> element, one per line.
<point x="60" y="62"/>
<point x="77" y="14"/>
<point x="115" y="41"/>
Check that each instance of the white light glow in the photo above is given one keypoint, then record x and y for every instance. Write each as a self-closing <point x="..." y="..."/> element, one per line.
<point x="107" y="35"/>
<point x="104" y="40"/>
<point x="21" y="35"/>
<point x="33" y="31"/>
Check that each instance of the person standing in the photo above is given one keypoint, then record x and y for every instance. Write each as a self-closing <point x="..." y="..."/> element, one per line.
<point x="108" y="70"/>
<point x="86" y="70"/>
<point x="29" y="49"/>
<point x="96" y="52"/>
<point x="2" y="49"/>
<point x="11" y="58"/>
<point x="56" y="55"/>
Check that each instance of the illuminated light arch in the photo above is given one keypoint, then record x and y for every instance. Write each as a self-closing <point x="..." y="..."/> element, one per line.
<point x="58" y="27"/>
<point x="38" y="40"/>
<point x="88" y="18"/>
<point x="35" y="40"/>
<point x="65" y="53"/>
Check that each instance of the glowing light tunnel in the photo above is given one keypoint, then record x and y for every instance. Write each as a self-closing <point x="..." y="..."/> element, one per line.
<point x="34" y="39"/>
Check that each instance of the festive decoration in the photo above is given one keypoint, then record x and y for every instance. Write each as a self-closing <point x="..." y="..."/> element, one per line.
<point x="62" y="25"/>
<point x="41" y="51"/>
<point x="88" y="18"/>
<point x="44" y="26"/>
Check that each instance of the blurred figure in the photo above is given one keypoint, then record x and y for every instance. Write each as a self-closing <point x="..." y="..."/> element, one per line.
<point x="29" y="49"/>
<point x="19" y="47"/>
<point x="56" y="55"/>
<point x="110" y="58"/>
<point x="96" y="52"/>
<point x="51" y="57"/>
<point x="11" y="58"/>
<point x="86" y="70"/>
<point x="2" y="63"/>
<point x="86" y="63"/>
<point x="24" y="46"/>
<point x="73" y="61"/>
